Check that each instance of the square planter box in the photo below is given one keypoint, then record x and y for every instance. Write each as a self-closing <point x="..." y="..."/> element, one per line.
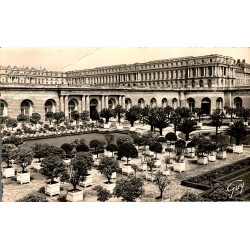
<point x="119" y="127"/>
<point x="110" y="187"/>
<point x="107" y="153"/>
<point x="52" y="189"/>
<point x="23" y="178"/>
<point x="245" y="123"/>
<point x="8" y="172"/>
<point x="238" y="149"/>
<point x="190" y="150"/>
<point x="171" y="146"/>
<point x="113" y="176"/>
<point x="150" y="176"/>
<point x="87" y="181"/>
<point x="157" y="162"/>
<point x="179" y="167"/>
<point x="106" y="126"/>
<point x="143" y="167"/>
<point x="166" y="173"/>
<point x="191" y="154"/>
<point x="211" y="158"/>
<point x="75" y="196"/>
<point x="132" y="129"/>
<point x="199" y="124"/>
<point x="222" y="155"/>
<point x="231" y="123"/>
<point x="127" y="170"/>
<point x="202" y="160"/>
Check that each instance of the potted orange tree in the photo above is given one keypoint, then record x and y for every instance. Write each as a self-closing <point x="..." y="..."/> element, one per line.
<point x="7" y="155"/>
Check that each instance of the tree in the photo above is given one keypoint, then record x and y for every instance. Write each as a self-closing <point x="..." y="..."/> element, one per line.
<point x="40" y="150"/>
<point x="22" y="118"/>
<point x="54" y="150"/>
<point x="202" y="147"/>
<point x="231" y="111"/>
<point x="53" y="167"/>
<point x="168" y="110"/>
<point x="162" y="182"/>
<point x="129" y="189"/>
<point x="119" y="110"/>
<point x="11" y="123"/>
<point x="170" y="136"/>
<point x="59" y="117"/>
<point x="75" y="116"/>
<point x="35" y="118"/>
<point x="32" y="198"/>
<point x="50" y="116"/>
<point x="102" y="193"/>
<point x="144" y="113"/>
<point x="108" y="166"/>
<point x="109" y="138"/>
<point x="175" y="119"/>
<point x="133" y="114"/>
<point x="183" y="112"/>
<point x="150" y="119"/>
<point x="97" y="145"/>
<point x="135" y="168"/>
<point x="123" y="139"/>
<point x="112" y="148"/>
<point x="161" y="120"/>
<point x="82" y="148"/>
<point x="95" y="115"/>
<point x="150" y="163"/>
<point x="156" y="147"/>
<point x="180" y="146"/>
<point x="190" y="197"/>
<point x="80" y="165"/>
<point x="222" y="142"/>
<point x="244" y="113"/>
<point x="13" y="140"/>
<point x="127" y="150"/>
<point x="238" y="131"/>
<point x="187" y="126"/>
<point x="23" y="157"/>
<point x="199" y="113"/>
<point x="216" y="121"/>
<point x="7" y="153"/>
<point x="67" y="147"/>
<point x="84" y="116"/>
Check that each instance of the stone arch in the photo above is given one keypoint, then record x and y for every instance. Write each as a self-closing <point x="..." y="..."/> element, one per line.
<point x="237" y="103"/>
<point x="111" y="103"/>
<point x="93" y="106"/>
<point x="174" y="103"/>
<point x="3" y="108"/>
<point x="72" y="106"/>
<point x="191" y="103"/>
<point x="50" y="106"/>
<point x="27" y="107"/>
<point x="153" y="103"/>
<point x="128" y="103"/>
<point x="164" y="102"/>
<point x="141" y="103"/>
<point x="219" y="103"/>
<point x="206" y="105"/>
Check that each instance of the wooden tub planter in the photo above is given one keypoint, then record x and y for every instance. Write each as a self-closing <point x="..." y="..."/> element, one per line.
<point x="110" y="187"/>
<point x="75" y="196"/>
<point x="212" y="157"/>
<point x="132" y="129"/>
<point x="52" y="188"/>
<point x="8" y="172"/>
<point x="179" y="166"/>
<point x="87" y="181"/>
<point x="157" y="162"/>
<point x="119" y="127"/>
<point x="222" y="155"/>
<point x="23" y="177"/>
<point x="237" y="149"/>
<point x="106" y="126"/>
<point x="202" y="160"/>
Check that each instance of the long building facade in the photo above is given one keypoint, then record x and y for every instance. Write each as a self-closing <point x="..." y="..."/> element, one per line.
<point x="210" y="82"/>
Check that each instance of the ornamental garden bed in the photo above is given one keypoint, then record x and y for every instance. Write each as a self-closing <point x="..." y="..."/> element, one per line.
<point x="205" y="181"/>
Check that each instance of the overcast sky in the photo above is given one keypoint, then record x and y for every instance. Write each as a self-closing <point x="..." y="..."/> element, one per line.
<point x="64" y="59"/>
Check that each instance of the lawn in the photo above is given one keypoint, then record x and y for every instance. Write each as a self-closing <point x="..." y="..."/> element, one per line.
<point x="58" y="141"/>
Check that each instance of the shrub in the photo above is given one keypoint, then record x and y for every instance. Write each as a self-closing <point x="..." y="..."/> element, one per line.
<point x="188" y="196"/>
<point x="62" y="198"/>
<point x="33" y="198"/>
<point x="102" y="194"/>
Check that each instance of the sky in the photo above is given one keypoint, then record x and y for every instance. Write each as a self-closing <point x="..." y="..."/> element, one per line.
<point x="65" y="59"/>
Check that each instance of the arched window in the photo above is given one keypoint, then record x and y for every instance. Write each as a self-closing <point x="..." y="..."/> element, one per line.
<point x="49" y="106"/>
<point x="237" y="103"/>
<point x="141" y="103"/>
<point x="174" y="103"/>
<point x="206" y="106"/>
<point x="111" y="103"/>
<point x="164" y="102"/>
<point x="72" y="106"/>
<point x="153" y="103"/>
<point x="128" y="103"/>
<point x="191" y="104"/>
<point x="26" y="107"/>
<point x="3" y="108"/>
<point x="219" y="103"/>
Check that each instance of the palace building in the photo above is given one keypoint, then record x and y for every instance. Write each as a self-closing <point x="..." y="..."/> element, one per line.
<point x="210" y="82"/>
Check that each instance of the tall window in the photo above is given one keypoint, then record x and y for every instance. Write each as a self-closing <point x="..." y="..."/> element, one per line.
<point x="25" y="108"/>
